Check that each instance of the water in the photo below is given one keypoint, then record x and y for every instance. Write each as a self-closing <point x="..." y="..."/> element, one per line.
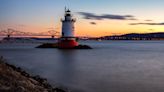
<point x="1" y="38"/>
<point x="112" y="66"/>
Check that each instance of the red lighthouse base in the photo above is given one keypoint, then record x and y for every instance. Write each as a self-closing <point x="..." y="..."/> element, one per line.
<point x="67" y="43"/>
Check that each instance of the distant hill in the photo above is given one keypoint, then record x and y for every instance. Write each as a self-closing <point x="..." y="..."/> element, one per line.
<point x="145" y="35"/>
<point x="137" y="36"/>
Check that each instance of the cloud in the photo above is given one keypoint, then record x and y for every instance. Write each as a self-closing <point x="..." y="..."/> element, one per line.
<point x="93" y="23"/>
<point x="147" y="23"/>
<point x="93" y="16"/>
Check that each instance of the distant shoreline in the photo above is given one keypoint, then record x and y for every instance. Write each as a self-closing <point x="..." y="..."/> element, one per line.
<point x="131" y="36"/>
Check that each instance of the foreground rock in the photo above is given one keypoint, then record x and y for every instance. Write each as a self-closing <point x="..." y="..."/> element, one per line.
<point x="55" y="45"/>
<point x="13" y="79"/>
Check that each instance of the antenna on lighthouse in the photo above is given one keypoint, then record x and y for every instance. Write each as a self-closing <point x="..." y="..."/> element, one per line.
<point x="67" y="5"/>
<point x="65" y="9"/>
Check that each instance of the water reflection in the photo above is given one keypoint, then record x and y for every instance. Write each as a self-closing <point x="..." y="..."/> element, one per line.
<point x="67" y="65"/>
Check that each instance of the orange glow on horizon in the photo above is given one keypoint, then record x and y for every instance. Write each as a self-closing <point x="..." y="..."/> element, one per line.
<point x="84" y="28"/>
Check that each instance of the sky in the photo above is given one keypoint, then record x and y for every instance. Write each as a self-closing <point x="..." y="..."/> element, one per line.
<point x="93" y="17"/>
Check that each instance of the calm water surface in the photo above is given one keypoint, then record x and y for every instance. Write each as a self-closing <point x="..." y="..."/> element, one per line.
<point x="112" y="66"/>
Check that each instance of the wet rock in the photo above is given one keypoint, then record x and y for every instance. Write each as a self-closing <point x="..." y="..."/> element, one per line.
<point x="20" y="89"/>
<point x="48" y="45"/>
<point x="15" y="79"/>
<point x="55" y="45"/>
<point x="58" y="90"/>
<point x="39" y="79"/>
<point x="33" y="81"/>
<point x="82" y="47"/>
<point x="4" y="88"/>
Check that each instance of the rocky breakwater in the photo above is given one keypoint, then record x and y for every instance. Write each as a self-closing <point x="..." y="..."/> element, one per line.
<point x="14" y="79"/>
<point x="55" y="45"/>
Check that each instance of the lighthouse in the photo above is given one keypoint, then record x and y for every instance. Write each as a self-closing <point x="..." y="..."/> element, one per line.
<point x="68" y="39"/>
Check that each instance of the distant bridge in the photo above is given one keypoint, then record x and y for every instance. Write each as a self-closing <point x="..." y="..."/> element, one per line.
<point x="12" y="32"/>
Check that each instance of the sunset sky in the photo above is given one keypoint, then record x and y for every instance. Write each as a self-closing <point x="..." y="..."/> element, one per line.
<point x="94" y="17"/>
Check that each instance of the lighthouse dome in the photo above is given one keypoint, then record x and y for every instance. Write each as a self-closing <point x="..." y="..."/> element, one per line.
<point x="68" y="12"/>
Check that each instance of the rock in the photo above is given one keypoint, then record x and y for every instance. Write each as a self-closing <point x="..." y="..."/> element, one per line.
<point x="25" y="74"/>
<point x="58" y="90"/>
<point x="43" y="81"/>
<point x="4" y="88"/>
<point x="15" y="79"/>
<point x="48" y="45"/>
<point x="82" y="47"/>
<point x="55" y="45"/>
<point x="33" y="81"/>
<point x="20" y="89"/>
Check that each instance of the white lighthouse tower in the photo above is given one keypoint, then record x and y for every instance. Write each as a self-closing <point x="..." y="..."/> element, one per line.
<point x="68" y="40"/>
